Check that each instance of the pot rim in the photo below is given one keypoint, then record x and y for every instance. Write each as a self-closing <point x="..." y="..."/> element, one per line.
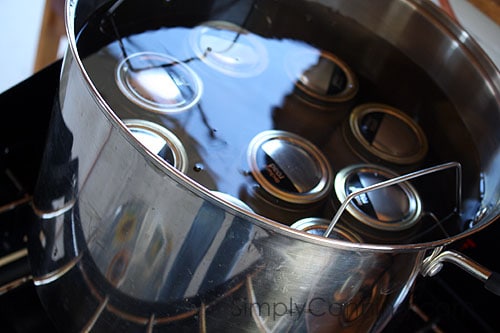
<point x="427" y="9"/>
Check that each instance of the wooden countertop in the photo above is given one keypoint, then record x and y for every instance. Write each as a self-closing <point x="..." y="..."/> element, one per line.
<point x="490" y="8"/>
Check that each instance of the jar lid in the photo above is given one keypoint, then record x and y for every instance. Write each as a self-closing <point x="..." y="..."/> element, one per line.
<point x="392" y="208"/>
<point x="322" y="76"/>
<point x="289" y="167"/>
<point x="388" y="133"/>
<point x="229" y="48"/>
<point x="158" y="82"/>
<point x="160" y="141"/>
<point x="318" y="226"/>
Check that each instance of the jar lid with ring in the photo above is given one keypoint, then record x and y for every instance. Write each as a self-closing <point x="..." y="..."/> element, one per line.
<point x="159" y="141"/>
<point x="380" y="133"/>
<point x="388" y="213"/>
<point x="290" y="172"/>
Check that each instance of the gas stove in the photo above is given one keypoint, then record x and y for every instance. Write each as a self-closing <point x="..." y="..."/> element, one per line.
<point x="26" y="110"/>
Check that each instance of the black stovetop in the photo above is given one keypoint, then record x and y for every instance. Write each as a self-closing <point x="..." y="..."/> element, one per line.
<point x="452" y="301"/>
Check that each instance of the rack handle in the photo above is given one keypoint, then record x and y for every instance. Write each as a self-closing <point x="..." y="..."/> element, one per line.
<point x="433" y="264"/>
<point x="397" y="180"/>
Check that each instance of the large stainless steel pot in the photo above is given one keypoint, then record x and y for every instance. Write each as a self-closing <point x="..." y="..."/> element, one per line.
<point x="125" y="241"/>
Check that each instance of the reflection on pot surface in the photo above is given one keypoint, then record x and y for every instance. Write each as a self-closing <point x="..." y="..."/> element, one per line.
<point x="229" y="48"/>
<point x="196" y="132"/>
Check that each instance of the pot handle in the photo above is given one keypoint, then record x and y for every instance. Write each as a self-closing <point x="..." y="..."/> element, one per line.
<point x="433" y="264"/>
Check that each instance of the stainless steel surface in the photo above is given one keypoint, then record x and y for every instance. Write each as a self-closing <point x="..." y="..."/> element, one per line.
<point x="151" y="248"/>
<point x="433" y="264"/>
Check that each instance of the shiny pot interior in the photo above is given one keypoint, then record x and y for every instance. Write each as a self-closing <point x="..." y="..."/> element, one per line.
<point x="154" y="239"/>
<point x="399" y="56"/>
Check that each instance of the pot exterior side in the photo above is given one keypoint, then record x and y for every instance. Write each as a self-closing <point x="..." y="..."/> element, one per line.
<point x="143" y="255"/>
<point x="123" y="241"/>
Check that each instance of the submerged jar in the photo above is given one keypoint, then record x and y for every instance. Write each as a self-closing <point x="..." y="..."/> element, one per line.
<point x="160" y="141"/>
<point x="390" y="214"/>
<point x="324" y="92"/>
<point x="318" y="226"/>
<point x="380" y="134"/>
<point x="326" y="80"/>
<point x="158" y="82"/>
<point x="291" y="177"/>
